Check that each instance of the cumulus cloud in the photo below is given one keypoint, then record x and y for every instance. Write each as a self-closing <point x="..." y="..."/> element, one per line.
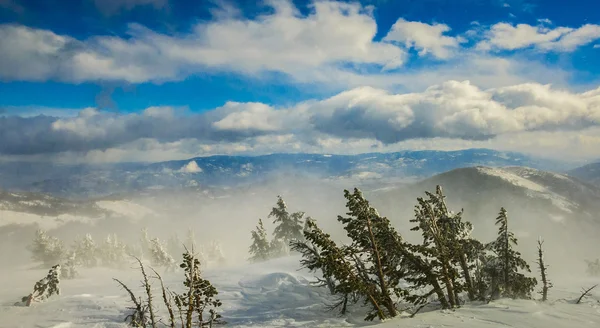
<point x="505" y="36"/>
<point x="191" y="167"/>
<point x="453" y="110"/>
<point x="428" y="39"/>
<point x="332" y="35"/>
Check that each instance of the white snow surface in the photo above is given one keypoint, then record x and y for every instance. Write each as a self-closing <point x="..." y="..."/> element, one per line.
<point x="273" y="294"/>
<point x="534" y="189"/>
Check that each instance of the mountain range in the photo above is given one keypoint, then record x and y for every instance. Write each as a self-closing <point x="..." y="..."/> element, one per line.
<point x="85" y="181"/>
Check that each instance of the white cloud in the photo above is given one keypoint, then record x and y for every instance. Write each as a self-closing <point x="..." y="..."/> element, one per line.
<point x="191" y="167"/>
<point x="596" y="46"/>
<point x="428" y="39"/>
<point x="368" y="118"/>
<point x="504" y="36"/>
<point x="334" y="34"/>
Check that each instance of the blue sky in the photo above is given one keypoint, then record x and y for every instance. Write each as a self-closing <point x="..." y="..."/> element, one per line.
<point x="122" y="79"/>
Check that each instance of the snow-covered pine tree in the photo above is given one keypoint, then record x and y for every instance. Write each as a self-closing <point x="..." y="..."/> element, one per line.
<point x="145" y="243"/>
<point x="190" y="241"/>
<point x="543" y="271"/>
<point x="113" y="253"/>
<point x="288" y="226"/>
<point x="260" y="248"/>
<point x="68" y="269"/>
<point x="46" y="249"/>
<point x="86" y="251"/>
<point x="214" y="253"/>
<point x="514" y="284"/>
<point x="159" y="256"/>
<point x="175" y="245"/>
<point x="44" y="288"/>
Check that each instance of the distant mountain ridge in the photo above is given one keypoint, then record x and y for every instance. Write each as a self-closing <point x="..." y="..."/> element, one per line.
<point x="101" y="180"/>
<point x="589" y="173"/>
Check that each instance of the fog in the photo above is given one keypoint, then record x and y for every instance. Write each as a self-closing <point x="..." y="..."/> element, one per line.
<point x="229" y="217"/>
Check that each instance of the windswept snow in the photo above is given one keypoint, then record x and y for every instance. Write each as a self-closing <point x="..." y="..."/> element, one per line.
<point x="44" y="222"/>
<point x="534" y="189"/>
<point x="126" y="208"/>
<point x="274" y="294"/>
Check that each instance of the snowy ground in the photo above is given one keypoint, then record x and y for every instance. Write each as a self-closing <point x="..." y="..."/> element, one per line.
<point x="274" y="294"/>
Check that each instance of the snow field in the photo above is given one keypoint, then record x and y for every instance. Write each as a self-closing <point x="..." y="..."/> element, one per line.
<point x="272" y="294"/>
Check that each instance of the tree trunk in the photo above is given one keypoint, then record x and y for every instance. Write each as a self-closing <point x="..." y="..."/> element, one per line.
<point x="385" y="294"/>
<point x="465" y="268"/>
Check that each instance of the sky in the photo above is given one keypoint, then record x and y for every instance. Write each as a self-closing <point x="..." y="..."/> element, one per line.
<point x="153" y="80"/>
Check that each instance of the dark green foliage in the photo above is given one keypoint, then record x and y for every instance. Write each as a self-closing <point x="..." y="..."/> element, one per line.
<point x="289" y="226"/>
<point x="447" y="263"/>
<point x="192" y="305"/>
<point x="44" y="288"/>
<point x="508" y="263"/>
<point x="199" y="297"/>
<point x="260" y="250"/>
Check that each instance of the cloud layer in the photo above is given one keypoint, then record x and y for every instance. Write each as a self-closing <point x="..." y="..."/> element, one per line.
<point x="335" y="43"/>
<point x="368" y="116"/>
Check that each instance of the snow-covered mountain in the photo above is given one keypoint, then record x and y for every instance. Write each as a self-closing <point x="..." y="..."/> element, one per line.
<point x="101" y="180"/>
<point x="589" y="173"/>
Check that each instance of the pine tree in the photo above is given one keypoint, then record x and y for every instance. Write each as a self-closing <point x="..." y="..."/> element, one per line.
<point x="320" y="253"/>
<point x="46" y="249"/>
<point x="69" y="267"/>
<point x="159" y="256"/>
<point x="509" y="261"/>
<point x="593" y="267"/>
<point x="113" y="252"/>
<point x="260" y="248"/>
<point x="174" y="245"/>
<point x="145" y="243"/>
<point x="199" y="297"/>
<point x="289" y="226"/>
<point x="214" y="253"/>
<point x="439" y="237"/>
<point x="543" y="271"/>
<point x="44" y="288"/>
<point x="86" y="251"/>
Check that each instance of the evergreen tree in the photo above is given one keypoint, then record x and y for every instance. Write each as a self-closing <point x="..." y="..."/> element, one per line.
<point x="86" y="251"/>
<point x="513" y="283"/>
<point x="339" y="274"/>
<point x="113" y="253"/>
<point x="439" y="231"/>
<point x="378" y="264"/>
<point x="145" y="243"/>
<point x="190" y="241"/>
<point x="46" y="249"/>
<point x="593" y="267"/>
<point x="69" y="268"/>
<point x="214" y="253"/>
<point x="288" y="226"/>
<point x="174" y="245"/>
<point x="44" y="288"/>
<point x="199" y="297"/>
<point x="159" y="256"/>
<point x="260" y="248"/>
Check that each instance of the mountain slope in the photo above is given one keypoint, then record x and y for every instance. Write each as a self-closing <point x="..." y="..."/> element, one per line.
<point x="95" y="181"/>
<point x="589" y="173"/>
